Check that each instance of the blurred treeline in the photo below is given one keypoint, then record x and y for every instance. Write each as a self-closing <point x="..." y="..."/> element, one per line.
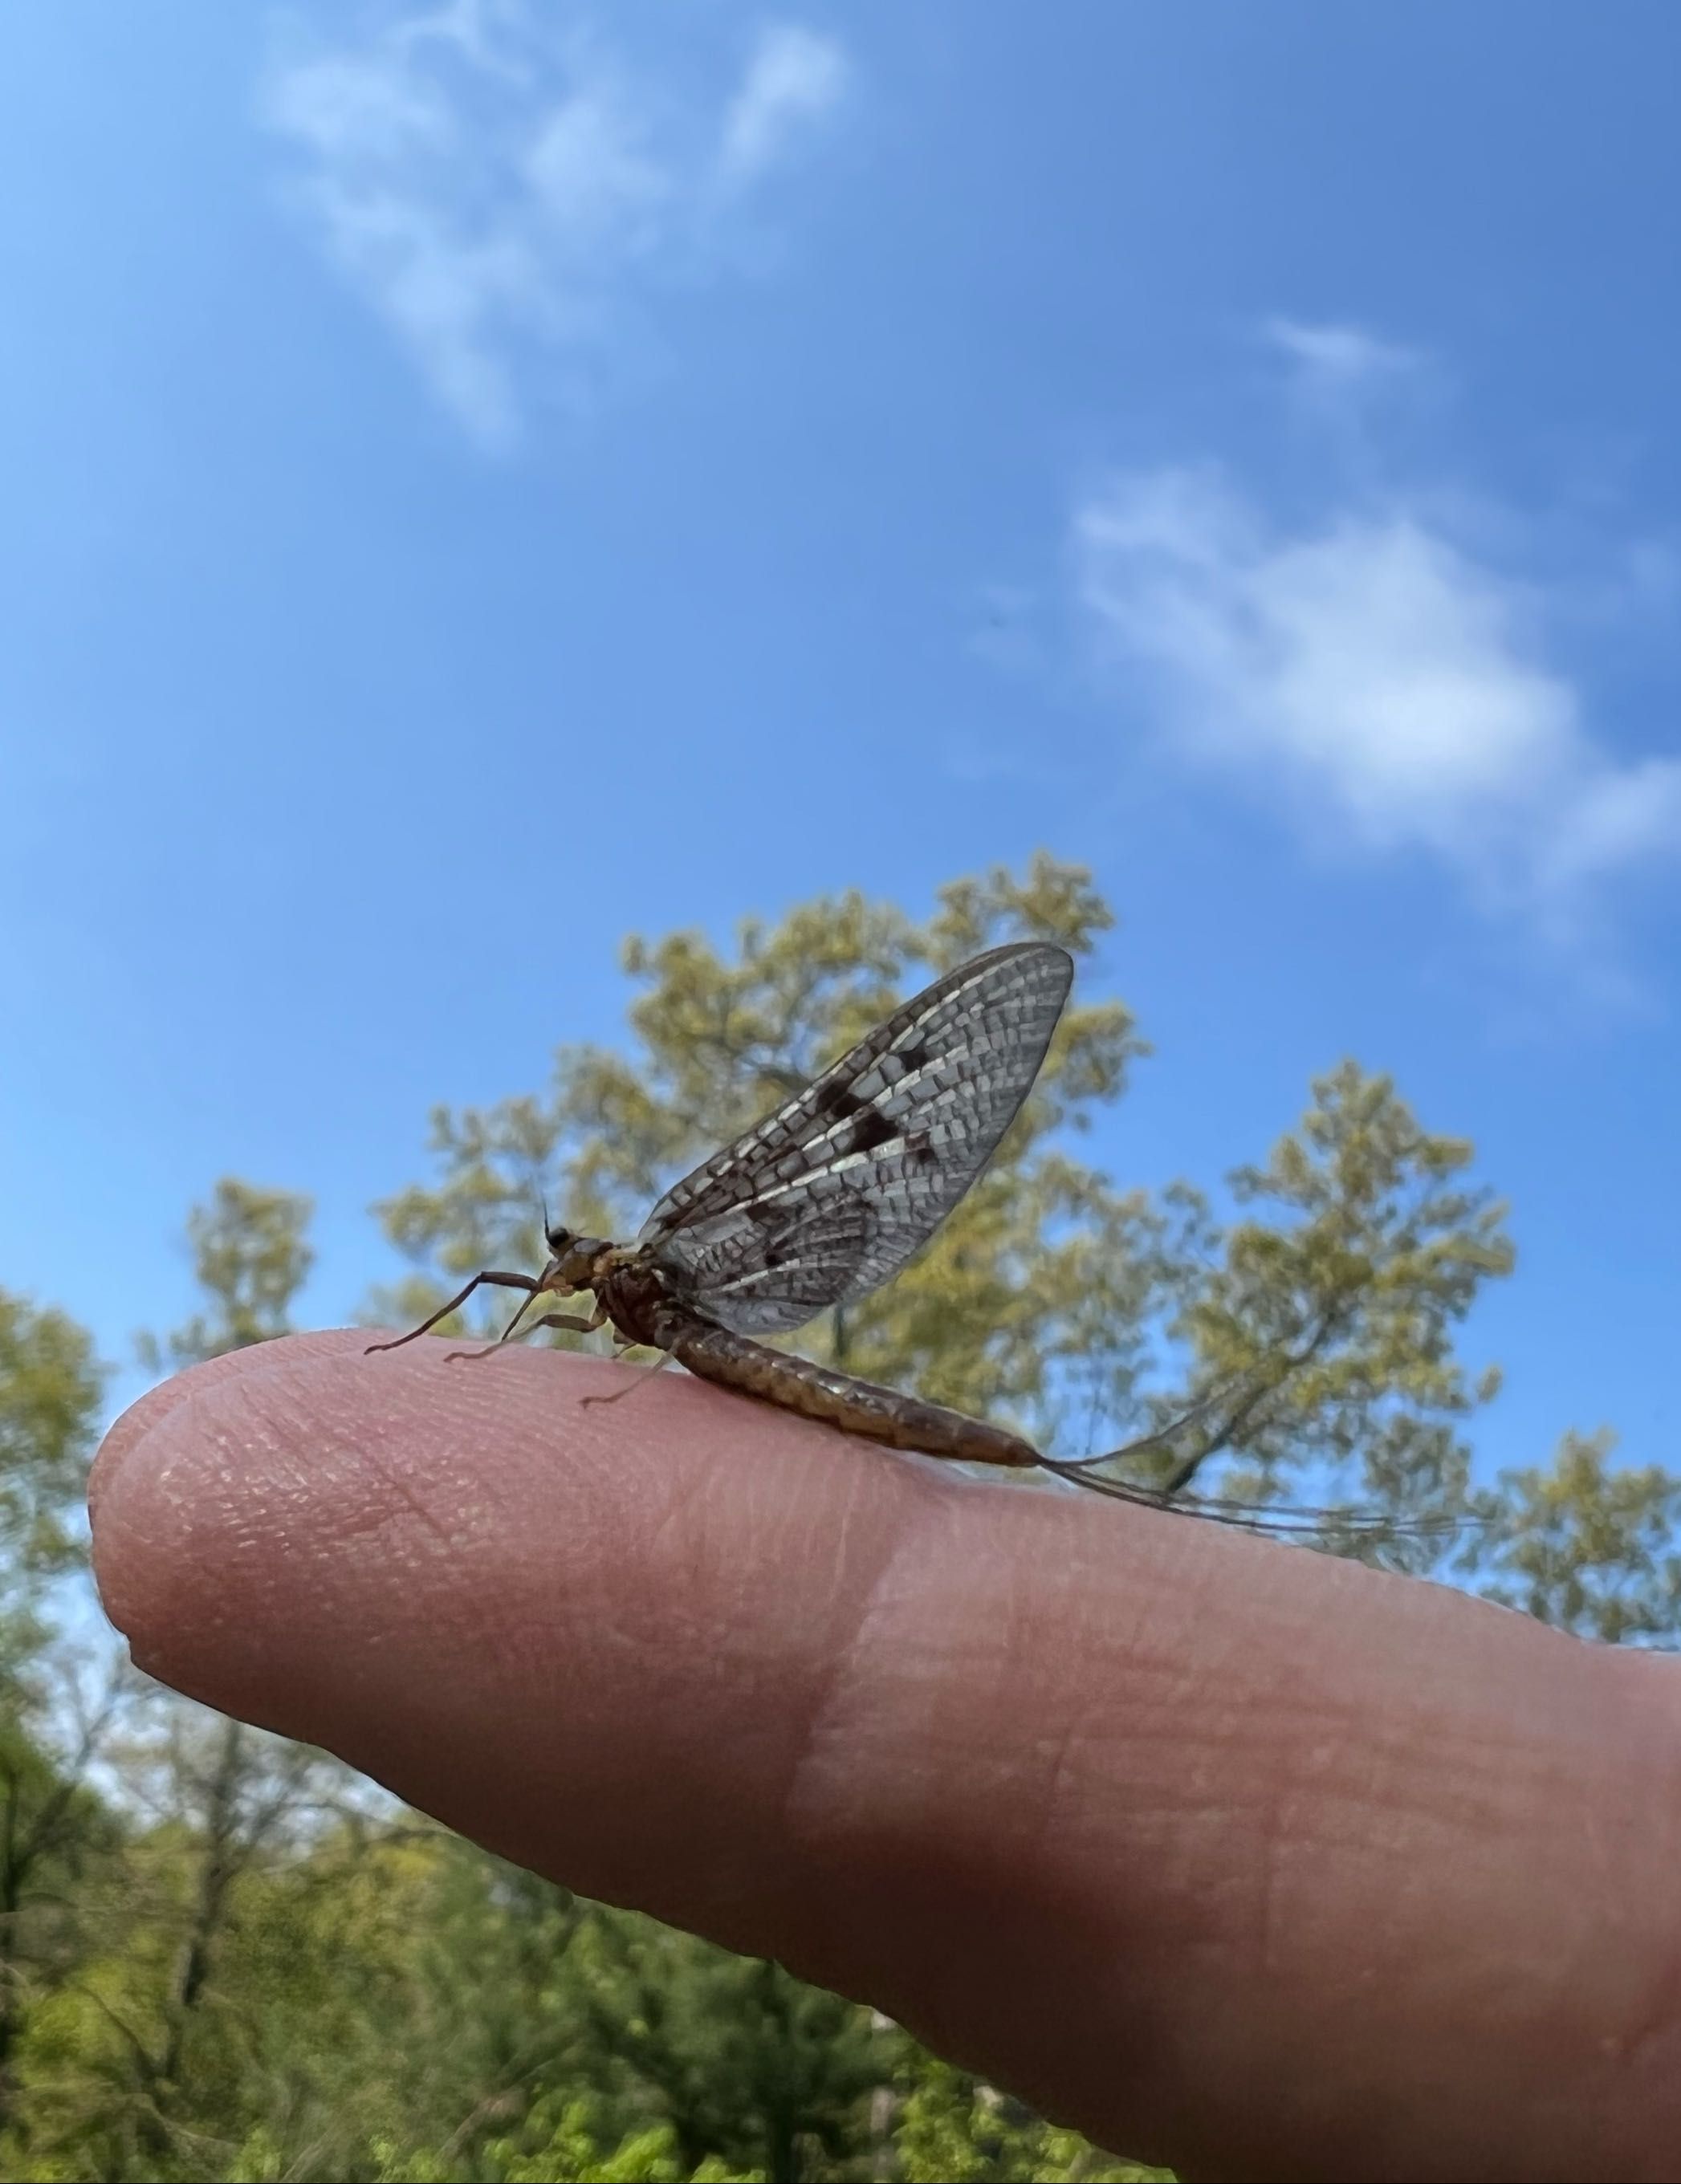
<point x="222" y="1956"/>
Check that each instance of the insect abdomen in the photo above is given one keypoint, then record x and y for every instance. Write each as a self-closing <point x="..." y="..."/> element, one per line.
<point x="817" y="1391"/>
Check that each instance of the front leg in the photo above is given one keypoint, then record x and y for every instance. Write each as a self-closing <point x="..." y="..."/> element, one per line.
<point x="490" y="1274"/>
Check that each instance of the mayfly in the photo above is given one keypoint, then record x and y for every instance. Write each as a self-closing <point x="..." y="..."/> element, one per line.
<point x="825" y="1200"/>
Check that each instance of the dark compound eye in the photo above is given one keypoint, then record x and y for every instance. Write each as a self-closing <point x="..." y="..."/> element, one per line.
<point x="557" y="1238"/>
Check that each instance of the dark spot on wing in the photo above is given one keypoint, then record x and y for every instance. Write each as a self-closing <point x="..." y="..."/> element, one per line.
<point x="823" y="1180"/>
<point x="784" y="1246"/>
<point x="871" y="1129"/>
<point x="839" y="1100"/>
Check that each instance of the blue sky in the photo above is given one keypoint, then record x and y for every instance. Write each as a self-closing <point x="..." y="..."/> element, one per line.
<point x="482" y="478"/>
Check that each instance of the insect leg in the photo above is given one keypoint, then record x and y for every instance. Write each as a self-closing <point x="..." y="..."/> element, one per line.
<point x="569" y="1320"/>
<point x="490" y="1274"/>
<point x="572" y="1323"/>
<point x="619" y="1394"/>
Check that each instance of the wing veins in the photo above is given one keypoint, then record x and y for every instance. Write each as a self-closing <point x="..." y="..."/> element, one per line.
<point x="979" y="1037"/>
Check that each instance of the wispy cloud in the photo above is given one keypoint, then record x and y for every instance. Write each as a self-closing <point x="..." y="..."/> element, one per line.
<point x="502" y="188"/>
<point x="1339" y="356"/>
<point x="1390" y="674"/>
<point x="793" y="79"/>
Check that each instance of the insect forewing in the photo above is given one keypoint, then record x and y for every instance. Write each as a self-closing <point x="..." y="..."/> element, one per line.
<point x="832" y="1193"/>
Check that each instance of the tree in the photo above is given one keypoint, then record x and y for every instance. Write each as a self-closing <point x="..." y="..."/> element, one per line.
<point x="1334" y="1322"/>
<point x="956" y="2129"/>
<point x="746" y="2066"/>
<point x="562" y="2142"/>
<point x="251" y="1257"/>
<point x="53" y="1716"/>
<point x="226" y="1796"/>
<point x="50" y="1384"/>
<point x="1586" y="1546"/>
<point x="55" y="1832"/>
<point x="251" y="1254"/>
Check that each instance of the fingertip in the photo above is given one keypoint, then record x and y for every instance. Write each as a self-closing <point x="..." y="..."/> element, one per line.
<point x="264" y="1519"/>
<point x="174" y="1480"/>
<point x="147" y="1412"/>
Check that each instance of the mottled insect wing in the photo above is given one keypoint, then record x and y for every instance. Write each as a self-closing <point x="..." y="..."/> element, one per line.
<point x="830" y="1194"/>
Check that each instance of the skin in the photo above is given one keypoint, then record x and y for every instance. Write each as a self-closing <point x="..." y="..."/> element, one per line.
<point x="1239" y="1858"/>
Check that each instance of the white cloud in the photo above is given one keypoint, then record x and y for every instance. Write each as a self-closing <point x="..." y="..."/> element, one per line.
<point x="793" y="79"/>
<point x="502" y="192"/>
<point x="345" y="108"/>
<point x="1339" y="356"/>
<point x="593" y="175"/>
<point x="1388" y="675"/>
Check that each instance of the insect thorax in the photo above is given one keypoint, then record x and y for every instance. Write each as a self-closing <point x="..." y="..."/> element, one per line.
<point x="631" y="1292"/>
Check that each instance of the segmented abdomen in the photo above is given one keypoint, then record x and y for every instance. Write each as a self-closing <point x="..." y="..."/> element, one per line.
<point x="817" y="1391"/>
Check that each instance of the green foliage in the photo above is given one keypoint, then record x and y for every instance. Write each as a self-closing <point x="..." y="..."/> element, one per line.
<point x="58" y="1850"/>
<point x="1336" y="1317"/>
<point x="953" y="2129"/>
<point x="745" y="2061"/>
<point x="135" y="2067"/>
<point x="1589" y="1546"/>
<point x="251" y="1256"/>
<point x="50" y="1387"/>
<point x="54" y="1831"/>
<point x="561" y="2143"/>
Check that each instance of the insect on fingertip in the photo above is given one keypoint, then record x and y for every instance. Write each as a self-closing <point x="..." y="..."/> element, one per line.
<point x="825" y="1200"/>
